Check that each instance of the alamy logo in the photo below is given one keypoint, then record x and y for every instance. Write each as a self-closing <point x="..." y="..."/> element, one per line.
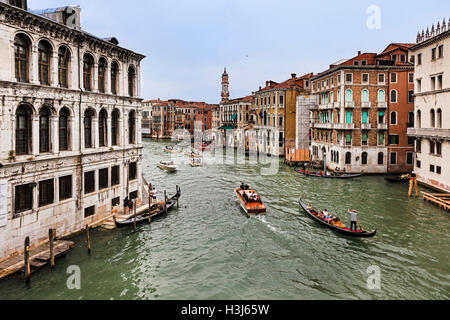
<point x="374" y="19"/>
<point x="74" y="280"/>
<point x="374" y="280"/>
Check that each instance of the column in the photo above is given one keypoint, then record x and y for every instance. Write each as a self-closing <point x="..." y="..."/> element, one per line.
<point x="95" y="138"/>
<point x="54" y="137"/>
<point x="95" y="78"/>
<point x="138" y="128"/>
<point x="35" y="134"/>
<point x="54" y="80"/>
<point x="108" y="80"/>
<point x="121" y="131"/>
<point x="109" y="131"/>
<point x="34" y="66"/>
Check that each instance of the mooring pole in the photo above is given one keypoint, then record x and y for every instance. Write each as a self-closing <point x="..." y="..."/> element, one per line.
<point x="150" y="190"/>
<point x="27" y="260"/>
<point x="134" y="214"/>
<point x="88" y="239"/>
<point x="52" y="253"/>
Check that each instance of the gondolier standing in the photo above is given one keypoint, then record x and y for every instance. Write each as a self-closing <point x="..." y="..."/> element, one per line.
<point x="354" y="217"/>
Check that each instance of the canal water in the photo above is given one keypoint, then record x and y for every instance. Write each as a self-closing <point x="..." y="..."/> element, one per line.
<point x="208" y="249"/>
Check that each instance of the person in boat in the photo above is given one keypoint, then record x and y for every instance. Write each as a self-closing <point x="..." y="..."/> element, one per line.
<point x="130" y="206"/>
<point x="309" y="207"/>
<point x="154" y="194"/>
<point x="354" y="220"/>
<point x="126" y="202"/>
<point x="245" y="196"/>
<point x="242" y="186"/>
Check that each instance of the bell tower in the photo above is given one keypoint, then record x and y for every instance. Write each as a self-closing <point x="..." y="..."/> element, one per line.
<point x="225" y="87"/>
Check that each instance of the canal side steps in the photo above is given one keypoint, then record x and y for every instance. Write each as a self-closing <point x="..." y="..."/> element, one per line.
<point x="440" y="199"/>
<point x="39" y="257"/>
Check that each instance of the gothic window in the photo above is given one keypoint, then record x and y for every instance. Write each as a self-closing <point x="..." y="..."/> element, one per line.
<point x="115" y="127"/>
<point x="88" y="115"/>
<point x="88" y="66"/>
<point x="45" y="53"/>
<point x="63" y="125"/>
<point x="44" y="130"/>
<point x="23" y="130"/>
<point x="102" y="128"/>
<point x="131" y="81"/>
<point x="394" y="96"/>
<point x="432" y="118"/>
<point x="131" y="127"/>
<point x="22" y="57"/>
<point x="439" y="118"/>
<point x="63" y="66"/>
<point x="114" y="74"/>
<point x="101" y="75"/>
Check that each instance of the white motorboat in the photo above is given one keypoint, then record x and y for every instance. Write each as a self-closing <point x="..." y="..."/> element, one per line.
<point x="196" y="162"/>
<point x="167" y="166"/>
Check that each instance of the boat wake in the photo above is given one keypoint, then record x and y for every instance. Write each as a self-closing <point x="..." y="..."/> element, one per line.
<point x="269" y="226"/>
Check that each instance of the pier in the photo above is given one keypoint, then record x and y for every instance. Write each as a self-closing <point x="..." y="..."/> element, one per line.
<point x="440" y="199"/>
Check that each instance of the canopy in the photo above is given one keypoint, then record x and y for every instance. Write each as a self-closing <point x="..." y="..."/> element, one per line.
<point x="234" y="116"/>
<point x="227" y="127"/>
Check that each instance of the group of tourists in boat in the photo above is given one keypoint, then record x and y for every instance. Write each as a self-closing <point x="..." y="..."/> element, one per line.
<point x="328" y="174"/>
<point x="250" y="200"/>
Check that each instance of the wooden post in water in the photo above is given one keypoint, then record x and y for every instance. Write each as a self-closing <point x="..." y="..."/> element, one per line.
<point x="52" y="253"/>
<point x="26" y="255"/>
<point x="178" y="205"/>
<point x="165" y="202"/>
<point x="134" y="214"/>
<point x="150" y="198"/>
<point x="413" y="184"/>
<point x="88" y="239"/>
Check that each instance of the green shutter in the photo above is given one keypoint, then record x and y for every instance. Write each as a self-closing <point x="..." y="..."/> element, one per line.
<point x="364" y="117"/>
<point x="348" y="138"/>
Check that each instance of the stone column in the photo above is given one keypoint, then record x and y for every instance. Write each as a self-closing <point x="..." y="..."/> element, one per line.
<point x="95" y="78"/>
<point x="108" y="79"/>
<point x="109" y="131"/>
<point x="34" y="65"/>
<point x="121" y="131"/>
<point x="54" y="79"/>
<point x="138" y="128"/>
<point x="54" y="136"/>
<point x="35" y="134"/>
<point x="95" y="137"/>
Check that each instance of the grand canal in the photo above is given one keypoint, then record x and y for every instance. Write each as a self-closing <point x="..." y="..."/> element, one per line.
<point x="208" y="249"/>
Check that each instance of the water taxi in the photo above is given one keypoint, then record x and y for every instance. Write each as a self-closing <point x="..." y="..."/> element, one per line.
<point x="167" y="166"/>
<point x="171" y="150"/>
<point x="196" y="162"/>
<point x="252" y="205"/>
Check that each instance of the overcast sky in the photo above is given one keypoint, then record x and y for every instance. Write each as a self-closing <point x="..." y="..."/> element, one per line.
<point x="189" y="42"/>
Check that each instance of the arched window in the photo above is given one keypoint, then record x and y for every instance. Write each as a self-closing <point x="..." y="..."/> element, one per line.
<point x="101" y="75"/>
<point x="393" y="96"/>
<point x="381" y="96"/>
<point x="88" y="65"/>
<point x="88" y="115"/>
<point x="131" y="81"/>
<point x="23" y="130"/>
<point x="364" y="158"/>
<point x="102" y="128"/>
<point x="22" y="57"/>
<point x="419" y="119"/>
<point x="131" y="127"/>
<point x="380" y="158"/>
<point x="115" y="127"/>
<point x="114" y="75"/>
<point x="365" y="95"/>
<point x="393" y="118"/>
<point x="63" y="126"/>
<point x="348" y="95"/>
<point x="45" y="53"/>
<point x="348" y="158"/>
<point x="432" y="118"/>
<point x="439" y="118"/>
<point x="44" y="130"/>
<point x="63" y="66"/>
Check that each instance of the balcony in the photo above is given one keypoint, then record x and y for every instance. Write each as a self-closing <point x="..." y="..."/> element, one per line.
<point x="382" y="126"/>
<point x="366" y="104"/>
<point x="366" y="126"/>
<point x="344" y="126"/>
<point x="349" y="104"/>
<point x="337" y="104"/>
<point x="322" y="125"/>
<point x="382" y="105"/>
<point x="429" y="133"/>
<point x="323" y="106"/>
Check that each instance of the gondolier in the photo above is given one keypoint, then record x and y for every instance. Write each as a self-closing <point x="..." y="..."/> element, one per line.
<point x="354" y="220"/>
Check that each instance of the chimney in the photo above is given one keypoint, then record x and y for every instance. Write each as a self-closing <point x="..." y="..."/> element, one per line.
<point x="359" y="53"/>
<point x="267" y="83"/>
<point x="259" y="88"/>
<point x="293" y="75"/>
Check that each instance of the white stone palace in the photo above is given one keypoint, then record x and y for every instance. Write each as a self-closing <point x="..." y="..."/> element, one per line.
<point x="70" y="124"/>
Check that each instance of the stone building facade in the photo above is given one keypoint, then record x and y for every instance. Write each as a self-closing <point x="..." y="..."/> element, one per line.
<point x="360" y="122"/>
<point x="70" y="125"/>
<point x="432" y="107"/>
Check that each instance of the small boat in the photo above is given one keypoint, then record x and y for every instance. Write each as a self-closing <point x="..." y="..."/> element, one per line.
<point x="172" y="150"/>
<point x="331" y="176"/>
<point x="156" y="211"/>
<point x="196" y="162"/>
<point x="250" y="207"/>
<point x="167" y="166"/>
<point x="193" y="153"/>
<point x="398" y="179"/>
<point x="313" y="214"/>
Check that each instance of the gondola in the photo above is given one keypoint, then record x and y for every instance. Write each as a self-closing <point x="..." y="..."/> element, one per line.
<point x="320" y="175"/>
<point x="396" y="179"/>
<point x="313" y="214"/>
<point x="156" y="212"/>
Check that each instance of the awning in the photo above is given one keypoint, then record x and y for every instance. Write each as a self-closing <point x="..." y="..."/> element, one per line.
<point x="227" y="127"/>
<point x="234" y="116"/>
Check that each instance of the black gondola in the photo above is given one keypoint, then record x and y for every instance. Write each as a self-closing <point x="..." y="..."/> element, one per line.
<point x="313" y="214"/>
<point x="335" y="176"/>
<point x="155" y="213"/>
<point x="396" y="179"/>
